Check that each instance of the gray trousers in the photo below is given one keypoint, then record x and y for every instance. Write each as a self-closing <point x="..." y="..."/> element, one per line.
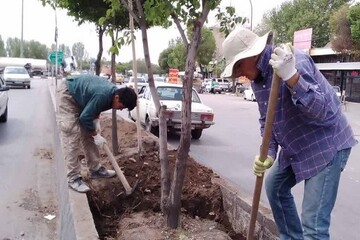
<point x="74" y="136"/>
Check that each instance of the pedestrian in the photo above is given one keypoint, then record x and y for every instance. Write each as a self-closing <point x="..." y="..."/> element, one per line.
<point x="81" y="99"/>
<point x="213" y="85"/>
<point x="314" y="135"/>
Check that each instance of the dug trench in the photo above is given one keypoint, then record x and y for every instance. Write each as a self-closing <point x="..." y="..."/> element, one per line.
<point x="138" y="216"/>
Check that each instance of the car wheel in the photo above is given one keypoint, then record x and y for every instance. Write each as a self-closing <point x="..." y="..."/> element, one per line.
<point x="196" y="133"/>
<point x="252" y="97"/>
<point x="3" y="118"/>
<point x="151" y="129"/>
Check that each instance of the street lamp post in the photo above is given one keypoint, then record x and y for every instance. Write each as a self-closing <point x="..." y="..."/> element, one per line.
<point x="22" y="30"/>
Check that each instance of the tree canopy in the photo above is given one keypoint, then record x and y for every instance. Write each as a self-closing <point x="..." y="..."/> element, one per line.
<point x="295" y="15"/>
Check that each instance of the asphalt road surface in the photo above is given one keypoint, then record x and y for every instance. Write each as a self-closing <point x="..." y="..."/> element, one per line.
<point x="27" y="190"/>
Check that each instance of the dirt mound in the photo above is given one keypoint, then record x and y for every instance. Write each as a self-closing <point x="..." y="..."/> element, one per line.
<point x="138" y="216"/>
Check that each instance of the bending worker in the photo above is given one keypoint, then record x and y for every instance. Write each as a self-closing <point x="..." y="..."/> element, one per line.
<point x="81" y="100"/>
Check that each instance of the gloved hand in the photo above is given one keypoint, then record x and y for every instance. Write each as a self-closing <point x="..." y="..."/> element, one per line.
<point x="99" y="140"/>
<point x="283" y="61"/>
<point x="260" y="167"/>
<point x="97" y="125"/>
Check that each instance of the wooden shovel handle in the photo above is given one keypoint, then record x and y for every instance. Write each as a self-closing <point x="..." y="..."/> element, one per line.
<point x="269" y="121"/>
<point x="118" y="171"/>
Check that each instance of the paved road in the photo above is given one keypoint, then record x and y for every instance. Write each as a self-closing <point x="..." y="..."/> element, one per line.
<point x="229" y="147"/>
<point x="27" y="172"/>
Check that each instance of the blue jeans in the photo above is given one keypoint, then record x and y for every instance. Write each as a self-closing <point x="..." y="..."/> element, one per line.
<point x="319" y="199"/>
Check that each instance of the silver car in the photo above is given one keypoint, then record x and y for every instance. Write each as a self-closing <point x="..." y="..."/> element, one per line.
<point x="4" y="98"/>
<point x="16" y="76"/>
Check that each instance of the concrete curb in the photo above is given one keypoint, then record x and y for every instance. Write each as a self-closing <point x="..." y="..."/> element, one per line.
<point x="238" y="208"/>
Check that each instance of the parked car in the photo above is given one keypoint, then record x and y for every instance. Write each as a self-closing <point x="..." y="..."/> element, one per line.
<point x="224" y="84"/>
<point x="202" y="116"/>
<point x="141" y="81"/>
<point x="249" y="94"/>
<point x="240" y="88"/>
<point x="4" y="99"/>
<point x="16" y="76"/>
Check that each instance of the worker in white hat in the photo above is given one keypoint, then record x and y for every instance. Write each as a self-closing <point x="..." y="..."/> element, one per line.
<point x="314" y="135"/>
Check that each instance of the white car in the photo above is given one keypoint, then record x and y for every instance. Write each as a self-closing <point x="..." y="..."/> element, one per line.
<point x="141" y="81"/>
<point x="249" y="94"/>
<point x="16" y="76"/>
<point x="4" y="98"/>
<point x="170" y="95"/>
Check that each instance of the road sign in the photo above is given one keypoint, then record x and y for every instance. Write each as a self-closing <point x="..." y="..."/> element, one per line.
<point x="52" y="57"/>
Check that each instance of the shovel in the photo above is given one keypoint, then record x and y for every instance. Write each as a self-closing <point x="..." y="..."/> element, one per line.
<point x="119" y="173"/>
<point x="270" y="117"/>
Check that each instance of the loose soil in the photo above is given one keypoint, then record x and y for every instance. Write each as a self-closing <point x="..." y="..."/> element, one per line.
<point x="138" y="216"/>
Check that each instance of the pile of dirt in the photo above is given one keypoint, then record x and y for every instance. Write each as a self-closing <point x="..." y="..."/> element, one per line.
<point x="138" y="216"/>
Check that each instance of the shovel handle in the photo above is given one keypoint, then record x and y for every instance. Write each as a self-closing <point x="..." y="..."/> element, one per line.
<point x="117" y="169"/>
<point x="269" y="121"/>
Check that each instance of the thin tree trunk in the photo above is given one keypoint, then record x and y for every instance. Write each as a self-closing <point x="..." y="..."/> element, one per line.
<point x="114" y="118"/>
<point x="99" y="55"/>
<point x="184" y="146"/>
<point x="164" y="161"/>
<point x="165" y="176"/>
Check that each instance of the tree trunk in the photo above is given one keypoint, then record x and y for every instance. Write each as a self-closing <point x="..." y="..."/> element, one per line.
<point x="164" y="161"/>
<point x="114" y="118"/>
<point x="184" y="146"/>
<point x="165" y="177"/>
<point x="99" y="55"/>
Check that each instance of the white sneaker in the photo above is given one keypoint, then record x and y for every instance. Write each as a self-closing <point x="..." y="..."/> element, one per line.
<point x="79" y="185"/>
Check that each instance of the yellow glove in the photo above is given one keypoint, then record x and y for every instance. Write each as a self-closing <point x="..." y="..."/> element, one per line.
<point x="260" y="167"/>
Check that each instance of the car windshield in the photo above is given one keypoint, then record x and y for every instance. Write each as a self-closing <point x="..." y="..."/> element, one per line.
<point x="15" y="70"/>
<point x="175" y="94"/>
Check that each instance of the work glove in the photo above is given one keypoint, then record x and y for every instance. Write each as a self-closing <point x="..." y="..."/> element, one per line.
<point x="99" y="140"/>
<point x="260" y="167"/>
<point x="97" y="125"/>
<point x="283" y="61"/>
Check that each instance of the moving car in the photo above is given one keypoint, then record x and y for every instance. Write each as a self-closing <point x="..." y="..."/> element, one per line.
<point x="170" y="95"/>
<point x="16" y="76"/>
<point x="4" y="98"/>
<point x="249" y="94"/>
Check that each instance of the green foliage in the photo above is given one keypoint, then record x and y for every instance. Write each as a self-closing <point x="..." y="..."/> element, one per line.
<point x="207" y="47"/>
<point x="228" y="20"/>
<point x="78" y="50"/>
<point x="340" y="33"/>
<point x="295" y="15"/>
<point x="2" y="48"/>
<point x="32" y="49"/>
<point x="354" y="18"/>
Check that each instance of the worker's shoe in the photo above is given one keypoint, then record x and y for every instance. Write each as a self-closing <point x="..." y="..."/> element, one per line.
<point x="79" y="185"/>
<point x="102" y="173"/>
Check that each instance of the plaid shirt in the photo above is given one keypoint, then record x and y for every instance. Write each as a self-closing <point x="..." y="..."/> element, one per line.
<point x="309" y="125"/>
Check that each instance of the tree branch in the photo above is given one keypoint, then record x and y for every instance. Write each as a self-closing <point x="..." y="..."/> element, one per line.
<point x="132" y="13"/>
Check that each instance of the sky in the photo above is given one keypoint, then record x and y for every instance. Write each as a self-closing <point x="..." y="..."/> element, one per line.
<point x="39" y="25"/>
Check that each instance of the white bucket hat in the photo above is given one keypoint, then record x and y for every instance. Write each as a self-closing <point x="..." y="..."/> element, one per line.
<point x="239" y="44"/>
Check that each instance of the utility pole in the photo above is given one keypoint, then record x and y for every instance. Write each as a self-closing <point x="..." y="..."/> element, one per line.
<point x="56" y="48"/>
<point x="22" y="30"/>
